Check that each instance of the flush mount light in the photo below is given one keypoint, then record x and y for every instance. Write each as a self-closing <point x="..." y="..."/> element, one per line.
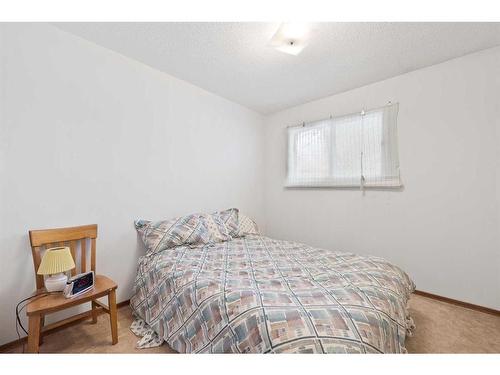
<point x="291" y="37"/>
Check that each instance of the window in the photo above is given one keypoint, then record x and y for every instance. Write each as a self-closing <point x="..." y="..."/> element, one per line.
<point x="347" y="151"/>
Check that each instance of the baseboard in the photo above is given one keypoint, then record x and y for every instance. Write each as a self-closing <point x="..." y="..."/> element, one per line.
<point x="452" y="301"/>
<point x="79" y="318"/>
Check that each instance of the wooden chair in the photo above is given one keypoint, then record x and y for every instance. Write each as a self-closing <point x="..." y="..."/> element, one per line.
<point x="77" y="239"/>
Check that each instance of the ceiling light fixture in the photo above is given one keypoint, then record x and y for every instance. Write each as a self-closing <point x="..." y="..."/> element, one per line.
<point x="291" y="37"/>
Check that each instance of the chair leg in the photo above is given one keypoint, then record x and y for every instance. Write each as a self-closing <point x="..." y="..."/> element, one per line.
<point x="94" y="312"/>
<point x="42" y="323"/>
<point x="113" y="316"/>
<point x="34" y="333"/>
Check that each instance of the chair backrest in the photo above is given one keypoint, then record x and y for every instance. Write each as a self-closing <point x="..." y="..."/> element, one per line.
<point x="76" y="238"/>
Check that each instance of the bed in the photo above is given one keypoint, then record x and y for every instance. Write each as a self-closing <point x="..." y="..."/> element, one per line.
<point x="254" y="294"/>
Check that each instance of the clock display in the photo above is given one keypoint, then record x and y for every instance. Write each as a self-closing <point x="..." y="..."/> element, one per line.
<point x="82" y="283"/>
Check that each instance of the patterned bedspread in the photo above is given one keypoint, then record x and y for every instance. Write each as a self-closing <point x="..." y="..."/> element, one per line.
<point x="259" y="295"/>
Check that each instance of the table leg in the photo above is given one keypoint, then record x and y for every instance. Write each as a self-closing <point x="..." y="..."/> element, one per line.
<point x="113" y="316"/>
<point x="34" y="333"/>
<point x="94" y="312"/>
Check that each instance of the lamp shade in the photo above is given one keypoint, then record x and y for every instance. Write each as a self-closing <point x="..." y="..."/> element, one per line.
<point x="56" y="260"/>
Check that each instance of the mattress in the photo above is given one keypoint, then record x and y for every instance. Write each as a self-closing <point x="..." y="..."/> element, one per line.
<point x="260" y="295"/>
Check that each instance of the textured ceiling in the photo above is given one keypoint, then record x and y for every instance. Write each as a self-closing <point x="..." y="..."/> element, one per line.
<point x="234" y="60"/>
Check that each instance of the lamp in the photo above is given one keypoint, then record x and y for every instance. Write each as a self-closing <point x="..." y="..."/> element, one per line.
<point x="291" y="37"/>
<point x="55" y="262"/>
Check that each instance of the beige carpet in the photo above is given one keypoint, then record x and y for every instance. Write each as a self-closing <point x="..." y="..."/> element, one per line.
<point x="446" y="328"/>
<point x="441" y="328"/>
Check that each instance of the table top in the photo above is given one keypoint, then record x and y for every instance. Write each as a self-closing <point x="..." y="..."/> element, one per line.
<point x="54" y="302"/>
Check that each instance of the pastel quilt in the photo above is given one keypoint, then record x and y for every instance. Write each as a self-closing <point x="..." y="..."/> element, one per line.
<point x="259" y="295"/>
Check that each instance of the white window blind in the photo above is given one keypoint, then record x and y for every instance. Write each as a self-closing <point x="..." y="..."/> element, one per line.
<point x="357" y="150"/>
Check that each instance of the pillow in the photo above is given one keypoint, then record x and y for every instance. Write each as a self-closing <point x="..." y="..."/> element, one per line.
<point x="230" y="220"/>
<point x="160" y="235"/>
<point x="246" y="226"/>
<point x="221" y="226"/>
<point x="216" y="230"/>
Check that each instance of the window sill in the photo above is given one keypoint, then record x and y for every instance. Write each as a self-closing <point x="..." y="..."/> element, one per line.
<point x="392" y="185"/>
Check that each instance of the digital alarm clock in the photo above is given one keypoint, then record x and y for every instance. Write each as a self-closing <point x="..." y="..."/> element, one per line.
<point x="79" y="284"/>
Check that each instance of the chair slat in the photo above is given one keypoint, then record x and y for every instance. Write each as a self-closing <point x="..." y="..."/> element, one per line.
<point x="72" y="248"/>
<point x="37" y="258"/>
<point x="83" y="249"/>
<point x="92" y="255"/>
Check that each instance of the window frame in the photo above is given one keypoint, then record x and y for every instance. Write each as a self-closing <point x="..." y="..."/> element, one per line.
<point x="389" y="176"/>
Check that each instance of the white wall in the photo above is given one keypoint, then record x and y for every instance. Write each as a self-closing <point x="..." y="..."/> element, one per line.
<point x="89" y="136"/>
<point x="443" y="228"/>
